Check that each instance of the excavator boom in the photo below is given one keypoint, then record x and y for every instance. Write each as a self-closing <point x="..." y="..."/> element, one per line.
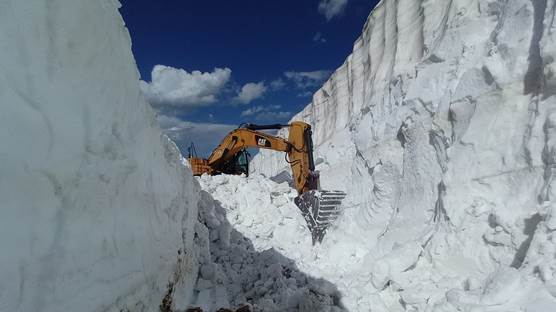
<point x="319" y="208"/>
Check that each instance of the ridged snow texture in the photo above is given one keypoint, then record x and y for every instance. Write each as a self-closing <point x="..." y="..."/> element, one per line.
<point x="97" y="210"/>
<point x="441" y="127"/>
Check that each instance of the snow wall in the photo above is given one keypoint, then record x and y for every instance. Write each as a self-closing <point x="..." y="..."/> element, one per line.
<point x="441" y="127"/>
<point x="97" y="209"/>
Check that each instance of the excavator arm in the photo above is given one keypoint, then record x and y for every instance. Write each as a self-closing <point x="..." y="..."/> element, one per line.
<point x="319" y="208"/>
<point x="298" y="149"/>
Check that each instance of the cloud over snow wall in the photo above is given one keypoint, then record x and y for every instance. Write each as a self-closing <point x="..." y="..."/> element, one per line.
<point x="96" y="207"/>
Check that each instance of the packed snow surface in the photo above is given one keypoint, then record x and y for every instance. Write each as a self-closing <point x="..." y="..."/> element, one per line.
<point x="97" y="209"/>
<point x="441" y="127"/>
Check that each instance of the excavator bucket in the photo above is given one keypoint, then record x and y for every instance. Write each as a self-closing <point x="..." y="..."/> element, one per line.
<point x="320" y="209"/>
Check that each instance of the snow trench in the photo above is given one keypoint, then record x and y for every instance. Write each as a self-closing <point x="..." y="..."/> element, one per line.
<point x="440" y="126"/>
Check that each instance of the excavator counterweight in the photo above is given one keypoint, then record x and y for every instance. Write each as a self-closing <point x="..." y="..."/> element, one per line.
<point x="319" y="208"/>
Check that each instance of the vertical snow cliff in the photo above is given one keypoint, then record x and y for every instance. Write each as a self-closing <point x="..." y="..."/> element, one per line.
<point x="97" y="209"/>
<point x="441" y="126"/>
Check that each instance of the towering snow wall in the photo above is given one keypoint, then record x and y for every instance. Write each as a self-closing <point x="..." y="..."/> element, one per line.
<point x="96" y="207"/>
<point x="441" y="126"/>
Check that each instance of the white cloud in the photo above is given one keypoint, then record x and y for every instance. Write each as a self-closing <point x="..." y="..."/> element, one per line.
<point x="318" y="38"/>
<point x="257" y="109"/>
<point x="205" y="136"/>
<point x="250" y="92"/>
<point x="306" y="80"/>
<point x="305" y="94"/>
<point x="273" y="116"/>
<point x="179" y="88"/>
<point x="277" y="84"/>
<point x="266" y="113"/>
<point x="331" y="8"/>
<point x="252" y="111"/>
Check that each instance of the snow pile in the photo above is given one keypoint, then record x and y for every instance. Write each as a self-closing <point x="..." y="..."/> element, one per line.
<point x="441" y="128"/>
<point x="97" y="208"/>
<point x="233" y="271"/>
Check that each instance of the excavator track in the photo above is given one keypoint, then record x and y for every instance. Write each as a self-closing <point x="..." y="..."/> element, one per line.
<point x="320" y="209"/>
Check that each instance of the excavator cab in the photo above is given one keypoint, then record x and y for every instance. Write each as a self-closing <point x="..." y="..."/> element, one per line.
<point x="319" y="207"/>
<point x="242" y="162"/>
<point x="239" y="164"/>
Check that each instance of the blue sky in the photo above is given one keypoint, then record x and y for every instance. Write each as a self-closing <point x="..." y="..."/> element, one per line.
<point x="227" y="62"/>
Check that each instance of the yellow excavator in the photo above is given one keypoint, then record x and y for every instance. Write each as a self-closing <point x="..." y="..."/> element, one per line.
<point x="319" y="208"/>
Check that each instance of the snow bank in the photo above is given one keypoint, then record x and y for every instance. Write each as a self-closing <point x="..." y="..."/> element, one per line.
<point x="441" y="127"/>
<point x="97" y="209"/>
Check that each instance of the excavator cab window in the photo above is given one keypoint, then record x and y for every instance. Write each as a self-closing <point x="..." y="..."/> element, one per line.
<point x="237" y="165"/>
<point x="242" y="162"/>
